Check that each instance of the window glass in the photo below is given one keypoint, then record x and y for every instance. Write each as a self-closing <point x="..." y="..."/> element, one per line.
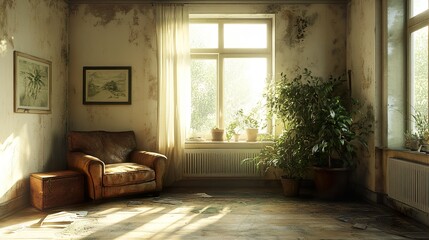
<point x="244" y="83"/>
<point x="245" y="35"/>
<point x="419" y="70"/>
<point x="229" y="67"/>
<point x="203" y="35"/>
<point x="418" y="6"/>
<point x="203" y="95"/>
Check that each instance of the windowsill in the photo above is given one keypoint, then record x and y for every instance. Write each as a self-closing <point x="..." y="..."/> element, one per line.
<point x="225" y="144"/>
<point x="414" y="156"/>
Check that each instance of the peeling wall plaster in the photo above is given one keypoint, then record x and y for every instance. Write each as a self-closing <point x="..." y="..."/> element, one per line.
<point x="298" y="26"/>
<point x="106" y="13"/>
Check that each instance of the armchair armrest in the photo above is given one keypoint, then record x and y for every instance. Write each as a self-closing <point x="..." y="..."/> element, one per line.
<point x="153" y="160"/>
<point x="92" y="168"/>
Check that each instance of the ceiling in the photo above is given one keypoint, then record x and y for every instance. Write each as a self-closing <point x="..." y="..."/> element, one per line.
<point x="208" y="1"/>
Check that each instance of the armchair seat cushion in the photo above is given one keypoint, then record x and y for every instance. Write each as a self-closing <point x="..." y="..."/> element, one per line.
<point x="120" y="174"/>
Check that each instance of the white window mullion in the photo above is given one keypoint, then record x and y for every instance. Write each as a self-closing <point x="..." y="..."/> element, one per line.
<point x="220" y="92"/>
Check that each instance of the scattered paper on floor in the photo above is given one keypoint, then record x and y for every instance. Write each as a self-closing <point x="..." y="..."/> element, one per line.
<point x="62" y="218"/>
<point x="203" y="195"/>
<point x="360" y="226"/>
<point x="167" y="201"/>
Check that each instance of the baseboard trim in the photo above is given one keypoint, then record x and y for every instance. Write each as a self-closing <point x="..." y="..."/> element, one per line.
<point x="12" y="206"/>
<point x="414" y="213"/>
<point x="383" y="199"/>
<point x="370" y="195"/>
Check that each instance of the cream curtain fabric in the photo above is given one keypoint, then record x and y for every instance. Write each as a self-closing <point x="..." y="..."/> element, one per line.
<point x="172" y="27"/>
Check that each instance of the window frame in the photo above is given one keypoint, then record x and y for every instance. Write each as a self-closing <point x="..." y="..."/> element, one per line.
<point x="414" y="23"/>
<point x="222" y="53"/>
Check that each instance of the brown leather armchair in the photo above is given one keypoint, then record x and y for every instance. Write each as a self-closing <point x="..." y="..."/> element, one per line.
<point x="112" y="165"/>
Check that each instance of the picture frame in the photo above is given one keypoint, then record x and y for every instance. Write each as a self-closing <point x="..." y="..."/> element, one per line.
<point x="32" y="84"/>
<point x="107" y="85"/>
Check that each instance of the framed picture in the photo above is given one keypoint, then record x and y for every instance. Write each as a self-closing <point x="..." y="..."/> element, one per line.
<point x="106" y="85"/>
<point x="32" y="84"/>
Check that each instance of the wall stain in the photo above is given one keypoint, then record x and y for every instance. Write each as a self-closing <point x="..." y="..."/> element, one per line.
<point x="73" y="9"/>
<point x="90" y="115"/>
<point x="136" y="18"/>
<point x="153" y="88"/>
<point x="54" y="4"/>
<point x="106" y="12"/>
<point x="149" y="31"/>
<point x="367" y="73"/>
<point x="133" y="36"/>
<point x="299" y="23"/>
<point x="134" y="29"/>
<point x="5" y="35"/>
<point x="151" y="138"/>
<point x="273" y="8"/>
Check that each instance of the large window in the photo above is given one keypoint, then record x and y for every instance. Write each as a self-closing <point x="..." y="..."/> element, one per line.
<point x="418" y="70"/>
<point x="231" y="60"/>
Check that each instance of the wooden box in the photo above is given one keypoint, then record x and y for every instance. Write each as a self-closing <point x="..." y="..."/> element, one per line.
<point x="55" y="189"/>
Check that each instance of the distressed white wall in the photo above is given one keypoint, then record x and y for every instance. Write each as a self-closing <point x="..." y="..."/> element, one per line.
<point x="115" y="35"/>
<point x="31" y="142"/>
<point x="363" y="59"/>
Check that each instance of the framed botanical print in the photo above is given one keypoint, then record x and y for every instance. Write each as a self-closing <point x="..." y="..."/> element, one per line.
<point x="32" y="84"/>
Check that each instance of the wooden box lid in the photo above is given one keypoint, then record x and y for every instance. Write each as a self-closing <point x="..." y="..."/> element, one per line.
<point x="56" y="174"/>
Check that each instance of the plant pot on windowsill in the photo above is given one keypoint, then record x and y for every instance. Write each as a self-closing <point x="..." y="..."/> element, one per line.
<point x="252" y="134"/>
<point x="236" y="137"/>
<point x="217" y="134"/>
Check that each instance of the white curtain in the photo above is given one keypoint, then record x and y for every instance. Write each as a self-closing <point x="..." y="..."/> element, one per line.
<point x="172" y="28"/>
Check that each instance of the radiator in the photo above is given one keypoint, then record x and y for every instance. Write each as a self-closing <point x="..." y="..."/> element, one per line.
<point x="408" y="183"/>
<point x="220" y="163"/>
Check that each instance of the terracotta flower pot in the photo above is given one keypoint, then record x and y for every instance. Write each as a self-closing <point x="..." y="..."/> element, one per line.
<point x="217" y="134"/>
<point x="331" y="183"/>
<point x="290" y="186"/>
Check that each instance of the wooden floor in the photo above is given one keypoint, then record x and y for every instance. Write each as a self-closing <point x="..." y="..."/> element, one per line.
<point x="214" y="213"/>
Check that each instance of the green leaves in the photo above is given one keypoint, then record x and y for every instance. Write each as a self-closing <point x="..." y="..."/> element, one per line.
<point x="321" y="112"/>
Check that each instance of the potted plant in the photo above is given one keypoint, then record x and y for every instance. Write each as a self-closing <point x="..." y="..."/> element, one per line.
<point x="235" y="127"/>
<point x="339" y="129"/>
<point x="217" y="134"/>
<point x="318" y="112"/>
<point x="285" y="153"/>
<point x="250" y="122"/>
<point x="414" y="140"/>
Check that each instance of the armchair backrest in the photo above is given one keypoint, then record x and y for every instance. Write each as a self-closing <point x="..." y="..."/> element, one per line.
<point x="109" y="147"/>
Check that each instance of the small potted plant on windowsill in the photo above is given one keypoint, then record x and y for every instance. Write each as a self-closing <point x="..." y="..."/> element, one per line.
<point x="233" y="130"/>
<point x="217" y="134"/>
<point x="235" y="127"/>
<point x="250" y="123"/>
<point x="420" y="136"/>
